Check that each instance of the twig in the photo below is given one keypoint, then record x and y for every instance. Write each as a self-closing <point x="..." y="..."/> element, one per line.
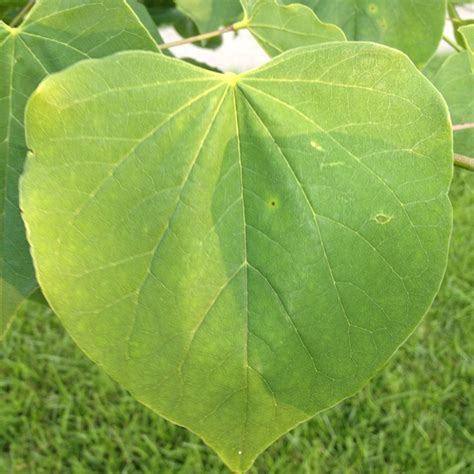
<point x="463" y="126"/>
<point x="464" y="162"/>
<point x="194" y="39"/>
<point x="452" y="43"/>
<point x="19" y="18"/>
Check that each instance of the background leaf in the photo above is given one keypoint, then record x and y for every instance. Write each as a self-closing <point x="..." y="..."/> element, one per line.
<point x="240" y="272"/>
<point x="9" y="9"/>
<point x="278" y="27"/>
<point x="56" y="34"/>
<point x="145" y="18"/>
<point x="434" y="64"/>
<point x="455" y="81"/>
<point x="468" y="34"/>
<point x="211" y="14"/>
<point x="165" y="13"/>
<point x="413" y="27"/>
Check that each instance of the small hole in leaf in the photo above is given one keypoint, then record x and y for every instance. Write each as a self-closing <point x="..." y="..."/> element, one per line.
<point x="316" y="146"/>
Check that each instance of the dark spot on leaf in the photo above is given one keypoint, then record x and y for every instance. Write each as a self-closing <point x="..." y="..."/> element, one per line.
<point x="372" y="9"/>
<point x="273" y="203"/>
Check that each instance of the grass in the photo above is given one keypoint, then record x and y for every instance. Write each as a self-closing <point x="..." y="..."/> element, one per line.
<point x="61" y="414"/>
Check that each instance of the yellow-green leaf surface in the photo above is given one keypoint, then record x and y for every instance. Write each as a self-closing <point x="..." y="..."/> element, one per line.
<point x="56" y="34"/>
<point x="413" y="26"/>
<point x="468" y="35"/>
<point x="278" y="27"/>
<point x="240" y="252"/>
<point x="210" y="14"/>
<point x="455" y="80"/>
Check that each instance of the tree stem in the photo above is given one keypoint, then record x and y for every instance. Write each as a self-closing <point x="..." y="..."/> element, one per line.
<point x="452" y="43"/>
<point x="194" y="39"/>
<point x="19" y="18"/>
<point x="464" y="162"/>
<point x="463" y="126"/>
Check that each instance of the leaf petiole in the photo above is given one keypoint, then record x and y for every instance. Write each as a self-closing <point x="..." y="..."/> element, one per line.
<point x="452" y="43"/>
<point x="462" y="161"/>
<point x="195" y="39"/>
<point x="463" y="126"/>
<point x="453" y="14"/>
<point x="465" y="162"/>
<point x="19" y="18"/>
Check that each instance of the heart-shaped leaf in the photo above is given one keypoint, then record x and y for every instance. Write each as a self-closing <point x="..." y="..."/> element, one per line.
<point x="240" y="252"/>
<point x="54" y="35"/>
<point x="455" y="80"/>
<point x="278" y="27"/>
<point x="415" y="28"/>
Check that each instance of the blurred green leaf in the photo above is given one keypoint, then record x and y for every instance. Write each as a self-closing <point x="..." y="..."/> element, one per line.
<point x="468" y="34"/>
<point x="415" y="28"/>
<point x="434" y="64"/>
<point x="457" y="24"/>
<point x="147" y="21"/>
<point x="211" y="14"/>
<point x="279" y="27"/>
<point x="455" y="80"/>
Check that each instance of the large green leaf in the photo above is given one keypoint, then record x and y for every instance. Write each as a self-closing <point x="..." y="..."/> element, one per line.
<point x="56" y="34"/>
<point x="415" y="27"/>
<point x="240" y="252"/>
<point x="211" y="14"/>
<point x="455" y="80"/>
<point x="278" y="27"/>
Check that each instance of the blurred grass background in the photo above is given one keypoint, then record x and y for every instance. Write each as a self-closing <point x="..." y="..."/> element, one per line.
<point x="61" y="414"/>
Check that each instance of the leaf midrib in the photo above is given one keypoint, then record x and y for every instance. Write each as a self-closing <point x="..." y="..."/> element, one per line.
<point x="315" y="219"/>
<point x="246" y="290"/>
